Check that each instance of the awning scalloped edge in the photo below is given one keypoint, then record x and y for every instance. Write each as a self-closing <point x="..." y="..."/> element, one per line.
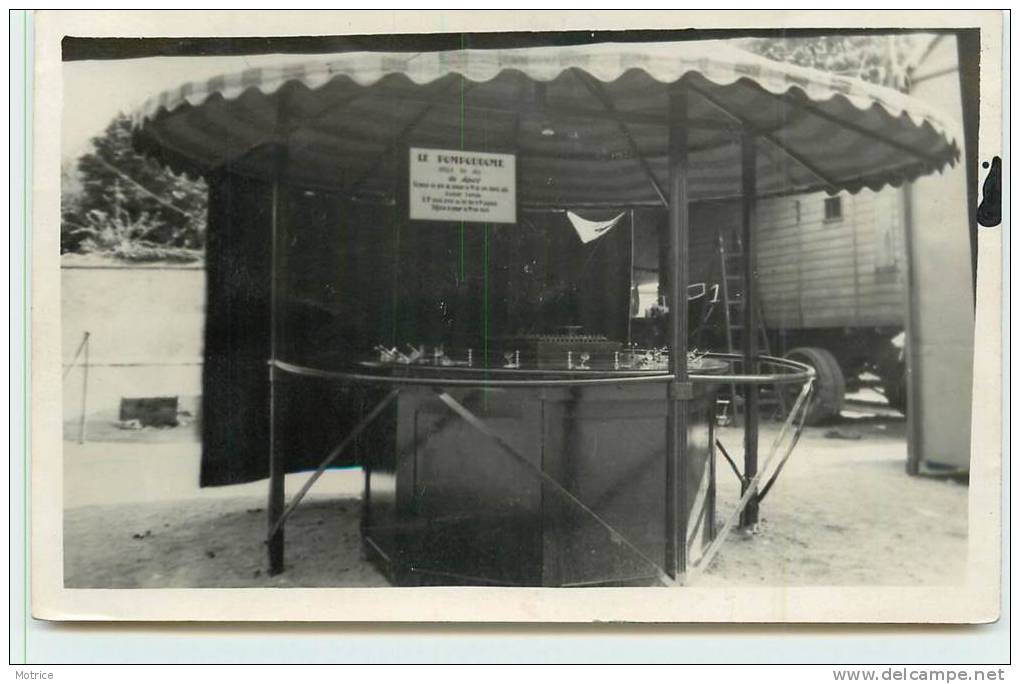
<point x="717" y="61"/>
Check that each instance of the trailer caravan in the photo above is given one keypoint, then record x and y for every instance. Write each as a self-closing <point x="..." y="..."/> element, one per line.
<point x="832" y="278"/>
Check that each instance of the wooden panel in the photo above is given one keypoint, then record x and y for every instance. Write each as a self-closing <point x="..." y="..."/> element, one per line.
<point x="827" y="269"/>
<point x="826" y="242"/>
<point x="466" y="511"/>
<point x="879" y="292"/>
<point x="809" y="244"/>
<point x="831" y="291"/>
<point x="882" y="300"/>
<point x="819" y="274"/>
<point x="809" y="273"/>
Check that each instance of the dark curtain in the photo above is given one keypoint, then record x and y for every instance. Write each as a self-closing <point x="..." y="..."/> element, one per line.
<point x="336" y="267"/>
<point x="471" y="285"/>
<point x="334" y="298"/>
<point x="235" y="379"/>
<point x="550" y="279"/>
<point x="351" y="276"/>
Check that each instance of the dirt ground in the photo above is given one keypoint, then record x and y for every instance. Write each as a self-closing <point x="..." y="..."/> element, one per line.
<point x="843" y="512"/>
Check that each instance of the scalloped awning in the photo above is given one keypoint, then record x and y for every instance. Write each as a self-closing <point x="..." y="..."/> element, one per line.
<point x="588" y="122"/>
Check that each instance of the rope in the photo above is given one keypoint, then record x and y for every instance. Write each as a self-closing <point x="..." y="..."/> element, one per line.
<point x="81" y="347"/>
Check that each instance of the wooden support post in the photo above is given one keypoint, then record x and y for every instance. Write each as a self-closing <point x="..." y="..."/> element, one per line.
<point x="915" y="438"/>
<point x="633" y="287"/>
<point x="749" y="239"/>
<point x="679" y="388"/>
<point x="277" y="460"/>
<point x="366" y="469"/>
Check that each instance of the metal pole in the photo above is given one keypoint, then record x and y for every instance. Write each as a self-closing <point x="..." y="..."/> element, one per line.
<point x="679" y="389"/>
<point x="277" y="462"/>
<point x="84" y="388"/>
<point x="749" y="191"/>
<point x="633" y="286"/>
<point x="915" y="444"/>
<point x="331" y="457"/>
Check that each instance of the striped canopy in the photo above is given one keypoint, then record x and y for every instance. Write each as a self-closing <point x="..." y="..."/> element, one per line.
<point x="589" y="123"/>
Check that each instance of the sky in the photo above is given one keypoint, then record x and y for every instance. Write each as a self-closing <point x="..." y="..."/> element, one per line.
<point x="95" y="91"/>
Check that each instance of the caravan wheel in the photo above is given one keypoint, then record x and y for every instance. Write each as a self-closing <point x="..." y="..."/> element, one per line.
<point x="830" y="385"/>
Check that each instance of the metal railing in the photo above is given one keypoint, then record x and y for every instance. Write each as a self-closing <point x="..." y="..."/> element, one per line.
<point x="793" y="372"/>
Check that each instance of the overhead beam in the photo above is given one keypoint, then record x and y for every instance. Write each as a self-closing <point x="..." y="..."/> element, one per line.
<point x="790" y="99"/>
<point x="557" y="207"/>
<point x="596" y="89"/>
<point x="308" y="123"/>
<point x="783" y="168"/>
<point x="830" y="184"/>
<point x="771" y="138"/>
<point x="406" y="131"/>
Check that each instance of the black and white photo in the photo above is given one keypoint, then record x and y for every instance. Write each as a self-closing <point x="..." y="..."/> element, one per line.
<point x="689" y="311"/>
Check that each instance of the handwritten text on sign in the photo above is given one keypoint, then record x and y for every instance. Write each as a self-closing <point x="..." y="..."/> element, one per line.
<point x="456" y="185"/>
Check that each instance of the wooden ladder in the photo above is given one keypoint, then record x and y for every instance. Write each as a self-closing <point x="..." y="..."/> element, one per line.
<point x="729" y="406"/>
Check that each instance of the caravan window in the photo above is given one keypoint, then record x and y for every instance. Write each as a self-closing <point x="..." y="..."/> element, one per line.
<point x="833" y="209"/>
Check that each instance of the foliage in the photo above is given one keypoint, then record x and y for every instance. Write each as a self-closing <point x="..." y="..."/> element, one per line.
<point x="123" y="236"/>
<point x="128" y="205"/>
<point x="884" y="60"/>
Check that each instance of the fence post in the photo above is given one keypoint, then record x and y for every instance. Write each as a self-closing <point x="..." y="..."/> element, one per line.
<point x="84" y="388"/>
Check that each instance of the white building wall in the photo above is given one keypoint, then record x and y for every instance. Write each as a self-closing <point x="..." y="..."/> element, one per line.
<point x="145" y="328"/>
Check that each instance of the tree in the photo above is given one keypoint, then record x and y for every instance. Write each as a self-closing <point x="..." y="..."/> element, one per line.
<point x="128" y="205"/>
<point x="885" y="59"/>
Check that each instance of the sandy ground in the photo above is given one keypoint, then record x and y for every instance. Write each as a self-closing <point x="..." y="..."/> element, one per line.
<point x="213" y="543"/>
<point x="843" y="512"/>
<point x="134" y="517"/>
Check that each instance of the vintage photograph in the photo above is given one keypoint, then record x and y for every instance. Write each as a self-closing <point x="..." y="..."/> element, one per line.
<point x="547" y="309"/>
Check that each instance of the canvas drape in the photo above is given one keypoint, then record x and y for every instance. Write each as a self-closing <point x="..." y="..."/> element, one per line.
<point x="352" y="275"/>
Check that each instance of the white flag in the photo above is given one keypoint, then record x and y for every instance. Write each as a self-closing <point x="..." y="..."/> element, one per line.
<point x="590" y="230"/>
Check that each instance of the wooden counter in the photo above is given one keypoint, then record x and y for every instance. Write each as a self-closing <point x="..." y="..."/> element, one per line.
<point x="461" y="509"/>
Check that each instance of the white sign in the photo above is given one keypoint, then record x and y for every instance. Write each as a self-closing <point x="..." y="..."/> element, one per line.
<point x="459" y="185"/>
